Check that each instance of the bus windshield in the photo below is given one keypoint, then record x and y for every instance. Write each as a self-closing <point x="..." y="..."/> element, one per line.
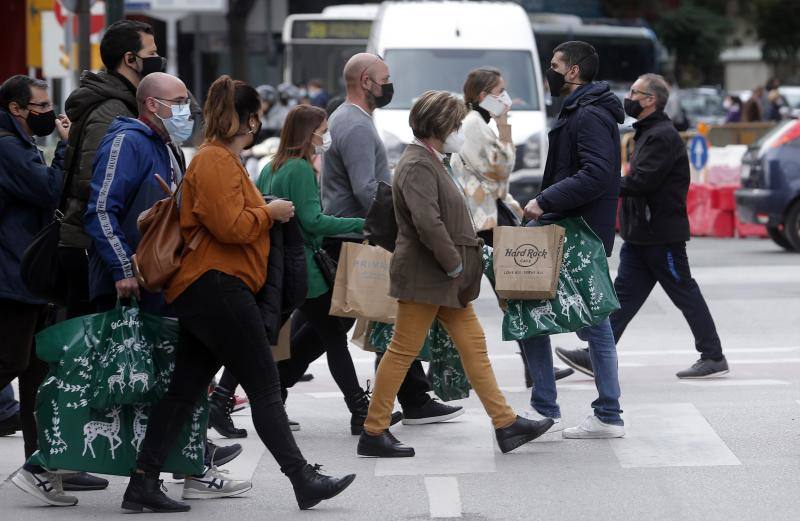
<point x="322" y="61"/>
<point x="413" y="71"/>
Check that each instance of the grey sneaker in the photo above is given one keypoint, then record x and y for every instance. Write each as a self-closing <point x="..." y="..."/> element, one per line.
<point x="46" y="487"/>
<point x="213" y="484"/>
<point x="705" y="369"/>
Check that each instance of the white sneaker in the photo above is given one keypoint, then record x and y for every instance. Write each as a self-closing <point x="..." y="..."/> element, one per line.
<point x="46" y="487"/>
<point x="533" y="414"/>
<point x="593" y="428"/>
<point x="213" y="484"/>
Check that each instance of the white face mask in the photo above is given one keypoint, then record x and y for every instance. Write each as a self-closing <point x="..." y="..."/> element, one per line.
<point x="454" y="142"/>
<point x="326" y="143"/>
<point x="496" y="105"/>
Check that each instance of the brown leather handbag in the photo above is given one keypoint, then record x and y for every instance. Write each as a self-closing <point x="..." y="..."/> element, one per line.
<point x="158" y="256"/>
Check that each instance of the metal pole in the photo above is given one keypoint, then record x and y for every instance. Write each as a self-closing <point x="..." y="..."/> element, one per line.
<point x="115" y="11"/>
<point x="82" y="10"/>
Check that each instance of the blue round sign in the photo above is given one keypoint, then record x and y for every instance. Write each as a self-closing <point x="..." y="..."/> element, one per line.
<point x="698" y="152"/>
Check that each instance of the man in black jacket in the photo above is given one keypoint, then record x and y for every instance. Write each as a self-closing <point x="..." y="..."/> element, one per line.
<point x="581" y="178"/>
<point x="655" y="227"/>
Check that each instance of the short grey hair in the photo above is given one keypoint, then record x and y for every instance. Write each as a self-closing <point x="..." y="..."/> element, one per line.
<point x="657" y="86"/>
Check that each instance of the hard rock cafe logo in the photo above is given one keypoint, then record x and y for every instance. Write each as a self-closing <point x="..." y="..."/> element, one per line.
<point x="526" y="255"/>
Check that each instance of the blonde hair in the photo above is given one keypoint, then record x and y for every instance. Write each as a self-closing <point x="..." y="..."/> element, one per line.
<point x="436" y="114"/>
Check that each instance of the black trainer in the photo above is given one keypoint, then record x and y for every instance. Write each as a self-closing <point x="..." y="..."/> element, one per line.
<point x="383" y="446"/>
<point x="577" y="359"/>
<point x="705" y="369"/>
<point x="82" y="481"/>
<point x="222" y="455"/>
<point x="311" y="486"/>
<point x="521" y="432"/>
<point x="10" y="425"/>
<point x="146" y="492"/>
<point x="432" y="412"/>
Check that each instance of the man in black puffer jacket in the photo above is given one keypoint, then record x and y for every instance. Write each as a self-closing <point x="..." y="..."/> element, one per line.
<point x="655" y="226"/>
<point x="581" y="178"/>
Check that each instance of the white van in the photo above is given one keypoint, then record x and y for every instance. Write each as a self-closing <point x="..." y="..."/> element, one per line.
<point x="434" y="45"/>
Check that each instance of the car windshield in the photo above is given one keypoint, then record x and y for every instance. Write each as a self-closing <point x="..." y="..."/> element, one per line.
<point x="414" y="71"/>
<point x="702" y="103"/>
<point x="792" y="97"/>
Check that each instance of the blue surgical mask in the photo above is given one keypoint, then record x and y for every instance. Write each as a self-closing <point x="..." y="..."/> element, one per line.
<point x="180" y="125"/>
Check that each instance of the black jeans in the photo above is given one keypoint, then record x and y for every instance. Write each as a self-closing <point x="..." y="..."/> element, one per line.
<point x="640" y="267"/>
<point x="414" y="390"/>
<point x="220" y="324"/>
<point x="75" y="263"/>
<point x="19" y="322"/>
<point x="318" y="332"/>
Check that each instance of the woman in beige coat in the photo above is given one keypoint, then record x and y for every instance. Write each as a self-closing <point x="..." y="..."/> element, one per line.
<point x="435" y="274"/>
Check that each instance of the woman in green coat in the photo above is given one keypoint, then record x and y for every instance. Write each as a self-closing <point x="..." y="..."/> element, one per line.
<point x="290" y="175"/>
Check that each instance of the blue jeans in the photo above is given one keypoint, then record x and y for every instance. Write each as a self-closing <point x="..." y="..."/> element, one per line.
<point x="8" y="405"/>
<point x="603" y="352"/>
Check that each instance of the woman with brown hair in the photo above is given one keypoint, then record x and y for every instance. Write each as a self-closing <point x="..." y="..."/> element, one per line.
<point x="214" y="297"/>
<point x="290" y="175"/>
<point x="435" y="274"/>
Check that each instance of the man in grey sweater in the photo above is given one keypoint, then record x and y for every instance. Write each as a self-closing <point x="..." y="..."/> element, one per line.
<point x="351" y="170"/>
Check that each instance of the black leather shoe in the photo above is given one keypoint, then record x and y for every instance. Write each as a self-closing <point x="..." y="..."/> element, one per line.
<point x="432" y="412"/>
<point x="311" y="486"/>
<point x="563" y="372"/>
<point x="219" y="418"/>
<point x="10" y="425"/>
<point x="83" y="481"/>
<point x="146" y="492"/>
<point x="358" y="404"/>
<point x="383" y="446"/>
<point x="222" y="455"/>
<point x="521" y="432"/>
<point x="577" y="359"/>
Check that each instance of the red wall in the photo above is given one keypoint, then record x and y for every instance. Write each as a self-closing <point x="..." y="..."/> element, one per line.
<point x="14" y="61"/>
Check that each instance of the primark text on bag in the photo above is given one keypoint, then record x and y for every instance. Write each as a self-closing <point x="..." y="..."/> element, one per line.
<point x="361" y="288"/>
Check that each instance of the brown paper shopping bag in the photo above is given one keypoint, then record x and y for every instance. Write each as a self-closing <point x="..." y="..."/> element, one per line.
<point x="282" y="350"/>
<point x="527" y="261"/>
<point x="361" y="288"/>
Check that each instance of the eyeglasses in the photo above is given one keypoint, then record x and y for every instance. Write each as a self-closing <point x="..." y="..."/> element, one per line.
<point x="45" y="105"/>
<point x="640" y="92"/>
<point x="181" y="103"/>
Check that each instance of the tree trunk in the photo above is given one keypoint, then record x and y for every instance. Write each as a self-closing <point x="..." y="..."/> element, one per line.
<point x="238" y="11"/>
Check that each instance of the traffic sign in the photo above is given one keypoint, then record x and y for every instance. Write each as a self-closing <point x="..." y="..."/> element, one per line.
<point x="698" y="152"/>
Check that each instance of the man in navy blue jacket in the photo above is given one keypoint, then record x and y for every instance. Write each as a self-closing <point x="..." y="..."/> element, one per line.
<point x="581" y="178"/>
<point x="29" y="193"/>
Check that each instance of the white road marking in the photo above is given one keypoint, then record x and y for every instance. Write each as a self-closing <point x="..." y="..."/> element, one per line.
<point x="443" y="496"/>
<point x="731" y="382"/>
<point x="325" y="395"/>
<point x="464" y="445"/>
<point x="669" y="435"/>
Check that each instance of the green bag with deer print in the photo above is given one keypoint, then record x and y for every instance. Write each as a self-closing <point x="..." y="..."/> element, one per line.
<point x="585" y="294"/>
<point x="76" y="434"/>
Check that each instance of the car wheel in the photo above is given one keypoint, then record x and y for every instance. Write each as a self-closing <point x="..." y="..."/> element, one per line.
<point x="791" y="227"/>
<point x="779" y="238"/>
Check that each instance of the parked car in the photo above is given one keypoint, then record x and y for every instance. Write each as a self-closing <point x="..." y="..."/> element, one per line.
<point x="792" y="96"/>
<point x="703" y="105"/>
<point x="770" y="192"/>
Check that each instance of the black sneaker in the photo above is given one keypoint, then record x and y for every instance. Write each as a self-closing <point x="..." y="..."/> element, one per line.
<point x="306" y="377"/>
<point x="432" y="412"/>
<point x="577" y="359"/>
<point x="705" y="369"/>
<point x="563" y="372"/>
<point x="10" y="425"/>
<point x="82" y="481"/>
<point x="222" y="455"/>
<point x="521" y="432"/>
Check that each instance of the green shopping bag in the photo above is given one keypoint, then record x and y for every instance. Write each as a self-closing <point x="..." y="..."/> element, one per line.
<point x="123" y="358"/>
<point x="449" y="379"/>
<point x="585" y="294"/>
<point x="447" y="373"/>
<point x="73" y="435"/>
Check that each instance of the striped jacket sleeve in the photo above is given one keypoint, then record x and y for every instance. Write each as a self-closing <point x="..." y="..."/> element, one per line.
<point x="114" y="179"/>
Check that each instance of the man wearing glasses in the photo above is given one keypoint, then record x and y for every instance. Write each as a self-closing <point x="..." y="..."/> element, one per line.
<point x="123" y="185"/>
<point x="655" y="227"/>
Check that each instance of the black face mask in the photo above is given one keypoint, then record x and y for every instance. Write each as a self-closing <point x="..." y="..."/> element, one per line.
<point x="151" y="64"/>
<point x="387" y="92"/>
<point x="556" y="81"/>
<point x="41" y="124"/>
<point x="632" y="107"/>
